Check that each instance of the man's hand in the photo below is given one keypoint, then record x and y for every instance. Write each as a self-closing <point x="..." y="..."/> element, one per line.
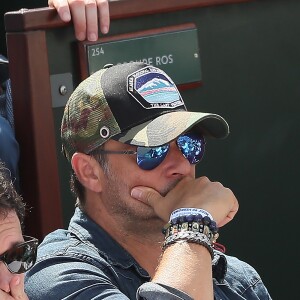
<point x="213" y="197"/>
<point x="16" y="289"/>
<point x="85" y="15"/>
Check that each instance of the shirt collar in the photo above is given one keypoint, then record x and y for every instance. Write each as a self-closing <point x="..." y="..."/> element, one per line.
<point x="85" y="229"/>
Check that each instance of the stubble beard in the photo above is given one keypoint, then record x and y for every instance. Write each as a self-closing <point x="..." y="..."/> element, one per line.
<point x="133" y="217"/>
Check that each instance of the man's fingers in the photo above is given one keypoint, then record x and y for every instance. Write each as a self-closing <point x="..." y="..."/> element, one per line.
<point x="154" y="199"/>
<point x="62" y="8"/>
<point x="17" y="288"/>
<point x="231" y="214"/>
<point x="91" y="20"/>
<point x="201" y="193"/>
<point x="103" y="10"/>
<point x="79" y="18"/>
<point x="5" y="296"/>
<point x="147" y="195"/>
<point x="86" y="15"/>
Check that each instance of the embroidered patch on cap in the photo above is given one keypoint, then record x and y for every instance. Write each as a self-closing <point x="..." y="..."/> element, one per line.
<point x="153" y="88"/>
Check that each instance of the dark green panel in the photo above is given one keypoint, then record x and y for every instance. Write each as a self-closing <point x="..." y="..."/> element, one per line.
<point x="65" y="171"/>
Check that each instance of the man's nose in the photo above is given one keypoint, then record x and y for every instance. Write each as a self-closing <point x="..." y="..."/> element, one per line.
<point x="176" y="164"/>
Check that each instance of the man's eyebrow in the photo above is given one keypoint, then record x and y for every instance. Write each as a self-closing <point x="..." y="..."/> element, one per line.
<point x="11" y="243"/>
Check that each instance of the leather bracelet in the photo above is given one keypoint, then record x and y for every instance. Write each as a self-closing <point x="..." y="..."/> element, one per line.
<point x="189" y="237"/>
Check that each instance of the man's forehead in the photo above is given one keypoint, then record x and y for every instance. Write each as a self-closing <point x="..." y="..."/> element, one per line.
<point x="10" y="231"/>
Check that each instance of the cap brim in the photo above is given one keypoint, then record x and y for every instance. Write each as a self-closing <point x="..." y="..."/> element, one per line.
<point x="169" y="126"/>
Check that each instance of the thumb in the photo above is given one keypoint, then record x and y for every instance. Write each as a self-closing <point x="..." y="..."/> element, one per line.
<point x="17" y="288"/>
<point x="146" y="194"/>
<point x="153" y="199"/>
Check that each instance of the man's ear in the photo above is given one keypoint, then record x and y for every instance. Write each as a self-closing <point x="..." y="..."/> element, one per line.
<point x="88" y="171"/>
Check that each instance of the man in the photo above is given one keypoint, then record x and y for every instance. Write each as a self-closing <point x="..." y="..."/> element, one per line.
<point x="133" y="147"/>
<point x="16" y="255"/>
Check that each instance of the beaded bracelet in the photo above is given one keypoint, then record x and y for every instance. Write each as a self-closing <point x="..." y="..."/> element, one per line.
<point x="194" y="222"/>
<point x="202" y="216"/>
<point x="212" y="225"/>
<point x="190" y="237"/>
<point x="171" y="229"/>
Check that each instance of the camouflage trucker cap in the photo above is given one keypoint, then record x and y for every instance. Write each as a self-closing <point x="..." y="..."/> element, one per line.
<point x="133" y="103"/>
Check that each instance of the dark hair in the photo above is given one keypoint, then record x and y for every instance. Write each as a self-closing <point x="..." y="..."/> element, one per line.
<point x="10" y="200"/>
<point x="77" y="188"/>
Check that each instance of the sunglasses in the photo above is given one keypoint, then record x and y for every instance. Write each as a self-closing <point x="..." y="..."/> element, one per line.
<point x="21" y="257"/>
<point x="191" y="145"/>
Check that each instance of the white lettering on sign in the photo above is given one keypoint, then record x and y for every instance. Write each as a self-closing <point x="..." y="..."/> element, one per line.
<point x="155" y="61"/>
<point x="164" y="60"/>
<point x="97" y="51"/>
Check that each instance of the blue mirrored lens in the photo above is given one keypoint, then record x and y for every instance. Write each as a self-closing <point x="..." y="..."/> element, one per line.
<point x="192" y="147"/>
<point x="150" y="158"/>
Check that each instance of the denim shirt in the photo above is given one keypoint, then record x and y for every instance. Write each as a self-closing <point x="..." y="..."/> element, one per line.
<point x="84" y="262"/>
